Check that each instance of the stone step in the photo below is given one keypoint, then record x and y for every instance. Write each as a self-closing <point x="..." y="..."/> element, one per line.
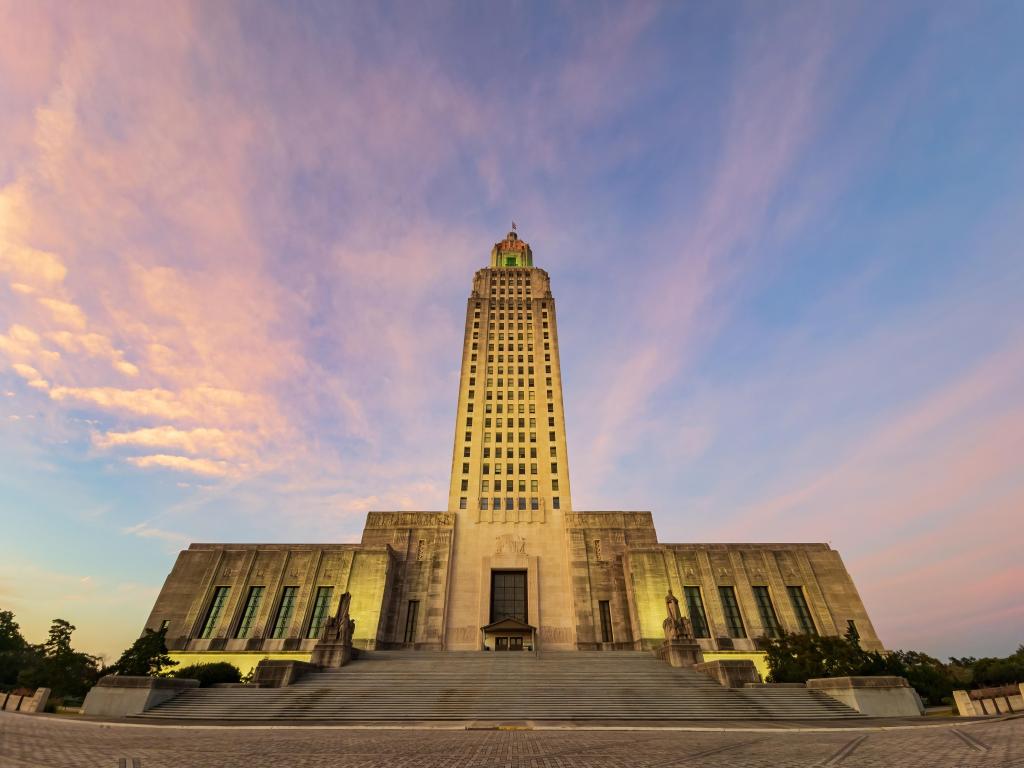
<point x="433" y="685"/>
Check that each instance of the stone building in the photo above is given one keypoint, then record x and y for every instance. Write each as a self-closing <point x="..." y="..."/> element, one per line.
<point x="510" y="564"/>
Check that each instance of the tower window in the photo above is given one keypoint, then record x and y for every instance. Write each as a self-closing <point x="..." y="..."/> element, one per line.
<point x="555" y="503"/>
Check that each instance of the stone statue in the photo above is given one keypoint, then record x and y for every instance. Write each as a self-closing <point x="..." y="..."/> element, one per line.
<point x="334" y="647"/>
<point x="676" y="626"/>
<point x="680" y="648"/>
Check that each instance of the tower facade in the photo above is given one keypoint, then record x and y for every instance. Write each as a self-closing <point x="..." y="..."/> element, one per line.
<point x="509" y="488"/>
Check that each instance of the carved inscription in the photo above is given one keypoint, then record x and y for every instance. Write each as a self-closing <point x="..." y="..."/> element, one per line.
<point x="556" y="634"/>
<point x="609" y="520"/>
<point x="410" y="520"/>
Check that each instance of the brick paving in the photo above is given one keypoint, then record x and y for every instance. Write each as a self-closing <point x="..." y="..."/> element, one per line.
<point x="38" y="741"/>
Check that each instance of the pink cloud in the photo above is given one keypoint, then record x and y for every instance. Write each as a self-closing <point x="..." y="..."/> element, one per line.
<point x="205" y="467"/>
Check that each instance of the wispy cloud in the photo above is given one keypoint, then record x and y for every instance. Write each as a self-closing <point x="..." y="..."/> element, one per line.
<point x="229" y="284"/>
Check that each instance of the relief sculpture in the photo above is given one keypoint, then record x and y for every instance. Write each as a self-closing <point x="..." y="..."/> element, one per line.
<point x="509" y="543"/>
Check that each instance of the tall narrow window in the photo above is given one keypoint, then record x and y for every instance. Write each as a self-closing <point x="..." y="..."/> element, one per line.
<point x="803" y="613"/>
<point x="695" y="607"/>
<point x="410" y="621"/>
<point x="769" y="620"/>
<point x="508" y="595"/>
<point x="731" y="609"/>
<point x="252" y="607"/>
<point x="851" y="630"/>
<point x="220" y="597"/>
<point x="606" y="621"/>
<point x="284" y="612"/>
<point x="321" y="609"/>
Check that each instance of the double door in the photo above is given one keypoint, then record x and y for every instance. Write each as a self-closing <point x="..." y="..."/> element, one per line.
<point x="508" y="643"/>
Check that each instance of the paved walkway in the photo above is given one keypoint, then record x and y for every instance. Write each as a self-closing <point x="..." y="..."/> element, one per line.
<point x="53" y="742"/>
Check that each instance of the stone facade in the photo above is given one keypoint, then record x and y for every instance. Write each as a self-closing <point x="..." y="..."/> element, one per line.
<point x="590" y="580"/>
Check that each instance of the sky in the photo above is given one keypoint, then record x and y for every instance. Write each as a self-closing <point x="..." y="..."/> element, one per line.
<point x="785" y="241"/>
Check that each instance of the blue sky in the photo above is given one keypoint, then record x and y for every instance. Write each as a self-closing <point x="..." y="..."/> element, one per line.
<point x="784" y="239"/>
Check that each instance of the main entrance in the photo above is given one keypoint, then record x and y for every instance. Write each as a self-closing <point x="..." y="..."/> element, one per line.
<point x="508" y="630"/>
<point x="508" y="595"/>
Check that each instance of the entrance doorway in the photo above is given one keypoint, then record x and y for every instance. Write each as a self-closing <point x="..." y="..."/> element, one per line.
<point x="508" y="595"/>
<point x="508" y="643"/>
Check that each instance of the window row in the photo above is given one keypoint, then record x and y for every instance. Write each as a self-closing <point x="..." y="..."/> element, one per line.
<point x="510" y="467"/>
<point x="510" y="503"/>
<point x="489" y="408"/>
<point x="485" y="486"/>
<point x="282" y="617"/>
<point x="734" y="619"/>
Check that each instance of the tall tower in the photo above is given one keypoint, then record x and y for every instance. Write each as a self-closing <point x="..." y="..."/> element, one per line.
<point x="510" y="472"/>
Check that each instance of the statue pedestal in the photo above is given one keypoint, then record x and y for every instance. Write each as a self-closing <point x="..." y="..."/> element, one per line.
<point x="681" y="653"/>
<point x="331" y="655"/>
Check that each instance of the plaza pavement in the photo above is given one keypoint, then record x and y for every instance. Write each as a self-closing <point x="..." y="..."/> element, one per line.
<point x="55" y="742"/>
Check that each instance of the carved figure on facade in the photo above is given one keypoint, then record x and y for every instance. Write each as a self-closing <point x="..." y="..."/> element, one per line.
<point x="510" y="543"/>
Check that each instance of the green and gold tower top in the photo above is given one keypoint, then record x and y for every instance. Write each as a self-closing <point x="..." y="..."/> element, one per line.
<point x="511" y="252"/>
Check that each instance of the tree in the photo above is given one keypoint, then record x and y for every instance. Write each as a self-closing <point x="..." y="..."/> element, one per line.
<point x="211" y="674"/>
<point x="996" y="671"/>
<point x="15" y="653"/>
<point x="57" y="666"/>
<point x="932" y="679"/>
<point x="799" y="658"/>
<point x="146" y="656"/>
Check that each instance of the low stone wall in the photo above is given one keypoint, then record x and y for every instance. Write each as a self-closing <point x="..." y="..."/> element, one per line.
<point x="280" y="673"/>
<point x="877" y="696"/>
<point x="735" y="673"/>
<point x="11" y="702"/>
<point x="990" y="701"/>
<point x="246" y="661"/>
<point x="758" y="658"/>
<point x="123" y="695"/>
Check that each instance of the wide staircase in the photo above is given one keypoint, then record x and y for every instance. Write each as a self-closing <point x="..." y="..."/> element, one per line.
<point x="582" y="685"/>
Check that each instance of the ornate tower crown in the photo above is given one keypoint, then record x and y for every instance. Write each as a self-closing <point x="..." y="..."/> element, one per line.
<point x="511" y="252"/>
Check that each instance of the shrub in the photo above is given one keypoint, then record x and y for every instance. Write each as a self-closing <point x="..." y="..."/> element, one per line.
<point x="210" y="674"/>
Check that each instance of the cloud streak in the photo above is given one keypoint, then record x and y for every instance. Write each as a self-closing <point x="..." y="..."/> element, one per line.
<point x="236" y="243"/>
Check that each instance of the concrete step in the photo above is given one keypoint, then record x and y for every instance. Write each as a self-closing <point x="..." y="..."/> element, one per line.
<point x="433" y="685"/>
